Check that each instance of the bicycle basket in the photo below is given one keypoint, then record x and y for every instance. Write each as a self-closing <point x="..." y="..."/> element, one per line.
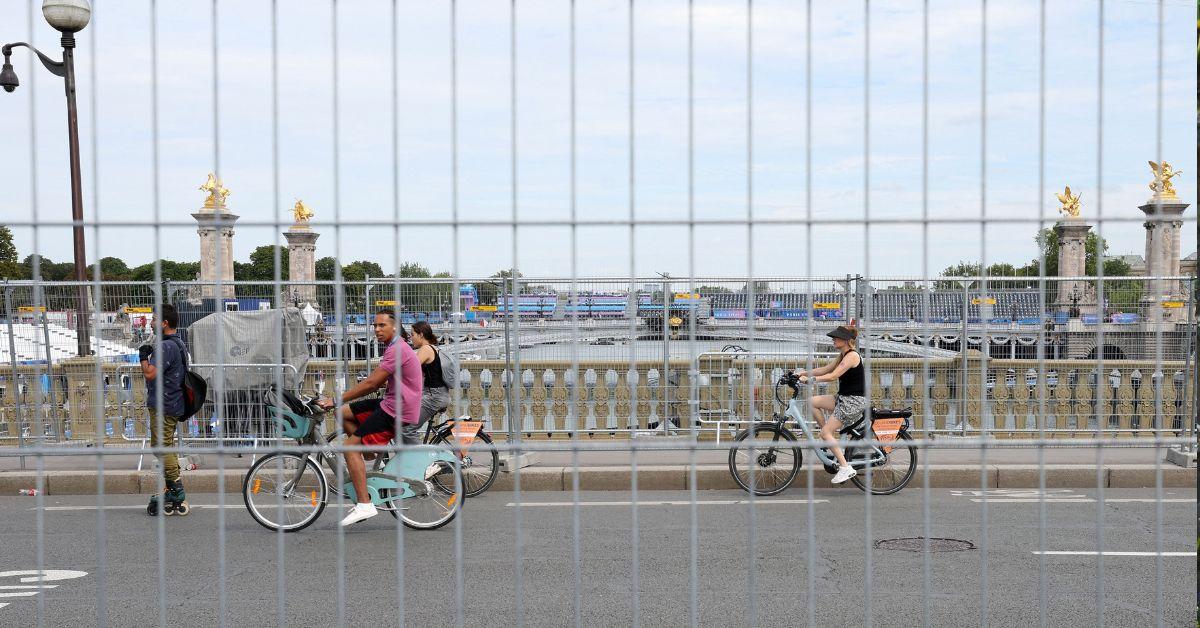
<point x="291" y="424"/>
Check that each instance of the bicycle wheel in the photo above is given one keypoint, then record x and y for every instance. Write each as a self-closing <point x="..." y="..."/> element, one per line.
<point x="285" y="492"/>
<point x="480" y="465"/>
<point x="764" y="470"/>
<point x="892" y="474"/>
<point x="439" y="506"/>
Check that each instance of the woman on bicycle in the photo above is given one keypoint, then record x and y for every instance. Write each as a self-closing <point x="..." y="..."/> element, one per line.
<point x="435" y="397"/>
<point x="848" y="406"/>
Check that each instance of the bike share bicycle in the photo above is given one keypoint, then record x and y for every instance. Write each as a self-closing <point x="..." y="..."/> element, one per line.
<point x="478" y="458"/>
<point x="769" y="469"/>
<point x="421" y="485"/>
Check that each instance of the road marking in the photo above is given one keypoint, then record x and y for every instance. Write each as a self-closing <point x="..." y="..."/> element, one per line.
<point x="711" y="502"/>
<point x="1081" y="500"/>
<point x="1094" y="553"/>
<point x="33" y="575"/>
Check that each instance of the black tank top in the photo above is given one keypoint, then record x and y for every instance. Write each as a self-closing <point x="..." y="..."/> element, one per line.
<point x="433" y="372"/>
<point x="850" y="384"/>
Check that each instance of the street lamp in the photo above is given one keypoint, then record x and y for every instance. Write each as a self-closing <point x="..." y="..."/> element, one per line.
<point x="68" y="17"/>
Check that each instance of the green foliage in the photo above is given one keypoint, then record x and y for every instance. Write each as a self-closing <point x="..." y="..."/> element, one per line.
<point x="1119" y="293"/>
<point x="170" y="271"/>
<point x="48" y="270"/>
<point x="111" y="269"/>
<point x="360" y="270"/>
<point x="488" y="293"/>
<point x="713" y="290"/>
<point x="326" y="268"/>
<point x="10" y="267"/>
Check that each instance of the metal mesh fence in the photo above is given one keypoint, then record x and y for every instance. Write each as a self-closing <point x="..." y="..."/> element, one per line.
<point x="614" y="446"/>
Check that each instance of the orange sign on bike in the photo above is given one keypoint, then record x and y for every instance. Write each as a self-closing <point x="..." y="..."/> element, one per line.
<point x="887" y="430"/>
<point x="465" y="432"/>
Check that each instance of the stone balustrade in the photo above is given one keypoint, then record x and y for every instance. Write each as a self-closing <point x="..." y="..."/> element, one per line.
<point x="605" y="397"/>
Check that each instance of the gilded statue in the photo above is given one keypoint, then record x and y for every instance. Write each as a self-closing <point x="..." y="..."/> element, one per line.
<point x="1161" y="185"/>
<point x="301" y="211"/>
<point x="217" y="193"/>
<point x="1070" y="203"/>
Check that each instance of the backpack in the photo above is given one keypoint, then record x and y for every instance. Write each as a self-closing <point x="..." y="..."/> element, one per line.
<point x="195" y="387"/>
<point x="450" y="369"/>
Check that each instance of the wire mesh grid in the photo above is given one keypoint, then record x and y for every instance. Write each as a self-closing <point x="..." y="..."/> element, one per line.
<point x="1057" y="384"/>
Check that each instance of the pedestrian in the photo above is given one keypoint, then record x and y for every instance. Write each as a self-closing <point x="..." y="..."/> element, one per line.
<point x="164" y="371"/>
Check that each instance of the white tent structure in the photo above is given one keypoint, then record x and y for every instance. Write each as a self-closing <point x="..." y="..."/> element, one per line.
<point x="29" y="343"/>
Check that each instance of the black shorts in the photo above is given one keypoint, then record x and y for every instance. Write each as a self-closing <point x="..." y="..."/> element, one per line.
<point x="375" y="427"/>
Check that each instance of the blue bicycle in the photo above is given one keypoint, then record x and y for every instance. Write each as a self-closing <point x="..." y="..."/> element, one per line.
<point x="770" y="469"/>
<point x="421" y="485"/>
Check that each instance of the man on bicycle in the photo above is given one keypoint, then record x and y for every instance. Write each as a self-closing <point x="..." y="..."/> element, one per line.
<point x="850" y="402"/>
<point x="373" y="421"/>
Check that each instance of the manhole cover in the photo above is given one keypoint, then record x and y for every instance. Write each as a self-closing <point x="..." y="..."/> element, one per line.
<point x="917" y="544"/>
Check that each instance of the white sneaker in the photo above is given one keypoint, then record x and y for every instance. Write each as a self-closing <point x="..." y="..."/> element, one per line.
<point x="360" y="512"/>
<point x="843" y="474"/>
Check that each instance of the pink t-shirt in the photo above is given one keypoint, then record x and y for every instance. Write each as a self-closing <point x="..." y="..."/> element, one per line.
<point x="410" y="379"/>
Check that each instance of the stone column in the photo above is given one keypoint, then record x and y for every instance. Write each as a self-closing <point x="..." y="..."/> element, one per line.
<point x="216" y="244"/>
<point x="1072" y="262"/>
<point x="302" y="262"/>
<point x="1163" y="227"/>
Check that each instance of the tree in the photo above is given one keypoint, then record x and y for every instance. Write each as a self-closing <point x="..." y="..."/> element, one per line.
<point x="169" y="271"/>
<point x="488" y="293"/>
<point x="360" y="270"/>
<point x="48" y="270"/>
<point x="713" y="290"/>
<point x="111" y="268"/>
<point x="10" y="267"/>
<point x="326" y="268"/>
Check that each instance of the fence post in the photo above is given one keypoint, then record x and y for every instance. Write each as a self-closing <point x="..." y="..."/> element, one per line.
<point x="964" y="376"/>
<point x="664" y="377"/>
<point x="1193" y="355"/>
<point x="14" y="385"/>
<point x="49" y="392"/>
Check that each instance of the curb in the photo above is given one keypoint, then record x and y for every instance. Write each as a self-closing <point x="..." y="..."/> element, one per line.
<point x="649" y="478"/>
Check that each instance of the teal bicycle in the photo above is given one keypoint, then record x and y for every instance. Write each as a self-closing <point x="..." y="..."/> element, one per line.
<point x="421" y="485"/>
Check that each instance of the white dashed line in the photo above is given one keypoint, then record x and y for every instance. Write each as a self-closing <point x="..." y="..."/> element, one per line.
<point x="1095" y="553"/>
<point x="710" y="502"/>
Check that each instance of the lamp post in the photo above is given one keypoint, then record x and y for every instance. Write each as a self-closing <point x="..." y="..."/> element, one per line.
<point x="68" y="17"/>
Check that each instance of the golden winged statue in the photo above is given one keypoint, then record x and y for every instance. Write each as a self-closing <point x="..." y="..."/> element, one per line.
<point x="1163" y="173"/>
<point x="1070" y="203"/>
<point x="217" y="193"/>
<point x="301" y="211"/>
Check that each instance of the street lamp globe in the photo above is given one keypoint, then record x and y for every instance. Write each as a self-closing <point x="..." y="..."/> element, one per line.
<point x="67" y="16"/>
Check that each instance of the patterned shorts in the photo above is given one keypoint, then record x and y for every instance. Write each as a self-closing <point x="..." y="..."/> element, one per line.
<point x="849" y="409"/>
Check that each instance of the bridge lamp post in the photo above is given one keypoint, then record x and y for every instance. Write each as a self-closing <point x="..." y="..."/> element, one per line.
<point x="68" y="17"/>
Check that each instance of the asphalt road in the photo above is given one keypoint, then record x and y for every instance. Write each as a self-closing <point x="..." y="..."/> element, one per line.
<point x="322" y="567"/>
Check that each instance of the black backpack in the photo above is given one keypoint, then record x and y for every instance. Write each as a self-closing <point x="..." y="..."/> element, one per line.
<point x="195" y="387"/>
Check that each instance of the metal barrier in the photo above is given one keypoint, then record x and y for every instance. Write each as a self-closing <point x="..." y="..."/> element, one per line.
<point x="587" y="199"/>
<point x="228" y="417"/>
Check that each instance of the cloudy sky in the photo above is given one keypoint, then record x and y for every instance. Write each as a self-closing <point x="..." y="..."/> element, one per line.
<point x="748" y="152"/>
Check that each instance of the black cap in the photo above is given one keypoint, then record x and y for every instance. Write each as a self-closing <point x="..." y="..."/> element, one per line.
<point x="843" y="333"/>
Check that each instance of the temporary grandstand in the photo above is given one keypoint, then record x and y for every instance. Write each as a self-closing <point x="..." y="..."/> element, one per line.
<point x="27" y="344"/>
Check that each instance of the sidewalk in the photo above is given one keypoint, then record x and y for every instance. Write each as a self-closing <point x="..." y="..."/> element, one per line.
<point x="1009" y="468"/>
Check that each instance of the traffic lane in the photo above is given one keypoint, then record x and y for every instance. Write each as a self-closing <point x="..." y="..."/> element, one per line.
<point x="781" y="558"/>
